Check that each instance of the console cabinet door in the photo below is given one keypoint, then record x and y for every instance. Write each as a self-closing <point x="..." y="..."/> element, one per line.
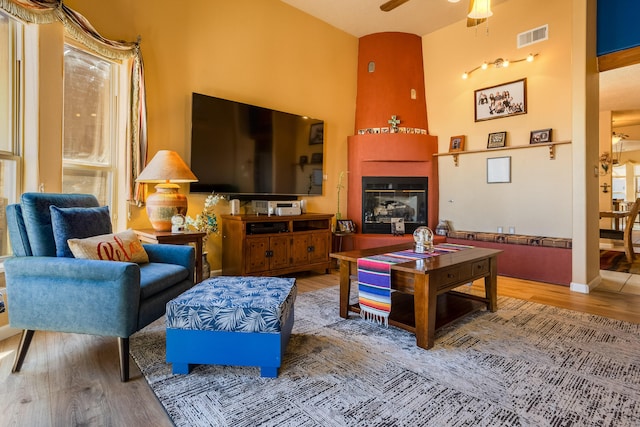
<point x="257" y="259"/>
<point x="300" y="249"/>
<point x="280" y="252"/>
<point x="319" y="251"/>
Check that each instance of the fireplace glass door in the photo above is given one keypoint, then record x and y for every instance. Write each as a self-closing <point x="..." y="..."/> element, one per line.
<point x="386" y="198"/>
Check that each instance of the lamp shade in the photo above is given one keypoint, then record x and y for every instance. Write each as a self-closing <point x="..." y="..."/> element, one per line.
<point x="166" y="168"/>
<point x="480" y="9"/>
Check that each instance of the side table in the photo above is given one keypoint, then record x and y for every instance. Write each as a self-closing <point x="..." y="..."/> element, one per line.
<point x="149" y="235"/>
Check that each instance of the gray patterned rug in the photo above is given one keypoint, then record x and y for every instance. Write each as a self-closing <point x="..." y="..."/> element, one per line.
<point x="525" y="365"/>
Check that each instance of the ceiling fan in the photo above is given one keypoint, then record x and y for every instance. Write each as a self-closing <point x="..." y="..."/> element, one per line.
<point x="471" y="22"/>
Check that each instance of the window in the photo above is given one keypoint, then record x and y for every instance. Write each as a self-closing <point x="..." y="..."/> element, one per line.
<point x="90" y="123"/>
<point x="619" y="182"/>
<point x="10" y="120"/>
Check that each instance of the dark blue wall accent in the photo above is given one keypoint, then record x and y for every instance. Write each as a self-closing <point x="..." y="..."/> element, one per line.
<point x="618" y="25"/>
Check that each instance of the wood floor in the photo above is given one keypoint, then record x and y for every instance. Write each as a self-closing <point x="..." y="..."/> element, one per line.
<point x="73" y="380"/>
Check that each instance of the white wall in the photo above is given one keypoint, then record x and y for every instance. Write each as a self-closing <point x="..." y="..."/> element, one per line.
<point x="538" y="201"/>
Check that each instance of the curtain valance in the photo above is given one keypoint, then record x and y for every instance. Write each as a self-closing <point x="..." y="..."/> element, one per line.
<point x="80" y="29"/>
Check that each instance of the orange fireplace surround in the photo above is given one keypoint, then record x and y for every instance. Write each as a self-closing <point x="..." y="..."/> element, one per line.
<point x="390" y="83"/>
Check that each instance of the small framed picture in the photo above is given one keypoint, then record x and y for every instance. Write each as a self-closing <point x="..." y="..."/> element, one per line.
<point x="497" y="139"/>
<point x="542" y="135"/>
<point x="397" y="226"/>
<point x="346" y="226"/>
<point x="316" y="133"/>
<point x="456" y="143"/>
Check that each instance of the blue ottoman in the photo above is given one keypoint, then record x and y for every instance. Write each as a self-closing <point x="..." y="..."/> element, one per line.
<point x="242" y="321"/>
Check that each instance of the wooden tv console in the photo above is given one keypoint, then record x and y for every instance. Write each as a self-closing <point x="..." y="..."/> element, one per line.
<point x="261" y="245"/>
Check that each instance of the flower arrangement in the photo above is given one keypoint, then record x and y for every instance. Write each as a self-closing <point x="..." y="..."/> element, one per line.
<point x="206" y="221"/>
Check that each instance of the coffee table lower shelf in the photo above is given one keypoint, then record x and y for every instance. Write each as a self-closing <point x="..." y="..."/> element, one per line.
<point x="451" y="306"/>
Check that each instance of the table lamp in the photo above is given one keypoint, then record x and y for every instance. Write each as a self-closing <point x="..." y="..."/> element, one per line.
<point x="167" y="169"/>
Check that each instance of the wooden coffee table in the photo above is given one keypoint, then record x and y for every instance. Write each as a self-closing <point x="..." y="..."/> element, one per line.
<point x="425" y="300"/>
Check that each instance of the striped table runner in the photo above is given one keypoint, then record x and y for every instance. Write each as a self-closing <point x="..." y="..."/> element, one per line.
<point x="374" y="279"/>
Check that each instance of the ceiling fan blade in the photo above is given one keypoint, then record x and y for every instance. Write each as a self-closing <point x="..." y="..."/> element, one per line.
<point x="392" y="4"/>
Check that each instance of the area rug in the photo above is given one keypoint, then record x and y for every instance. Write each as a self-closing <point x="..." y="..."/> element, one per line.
<point x="617" y="261"/>
<point x="525" y="365"/>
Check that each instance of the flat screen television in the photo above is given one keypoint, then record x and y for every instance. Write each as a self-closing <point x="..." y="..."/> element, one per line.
<point x="252" y="152"/>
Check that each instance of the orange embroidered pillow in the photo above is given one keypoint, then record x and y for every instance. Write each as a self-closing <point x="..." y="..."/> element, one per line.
<point x="123" y="246"/>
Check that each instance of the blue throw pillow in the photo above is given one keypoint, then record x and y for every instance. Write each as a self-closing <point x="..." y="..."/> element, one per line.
<point x="77" y="223"/>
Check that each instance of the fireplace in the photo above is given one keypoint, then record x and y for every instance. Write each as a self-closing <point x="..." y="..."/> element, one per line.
<point x="388" y="197"/>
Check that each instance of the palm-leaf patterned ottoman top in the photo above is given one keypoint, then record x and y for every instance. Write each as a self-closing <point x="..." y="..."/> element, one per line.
<point x="238" y="304"/>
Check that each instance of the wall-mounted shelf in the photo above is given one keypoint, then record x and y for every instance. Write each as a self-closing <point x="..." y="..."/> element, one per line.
<point x="551" y="146"/>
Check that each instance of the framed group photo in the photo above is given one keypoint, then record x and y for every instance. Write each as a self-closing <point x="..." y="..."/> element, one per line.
<point x="508" y="99"/>
<point x="497" y="140"/>
<point x="539" y="136"/>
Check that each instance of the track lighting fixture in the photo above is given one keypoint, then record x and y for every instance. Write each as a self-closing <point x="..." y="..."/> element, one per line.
<point x="498" y="63"/>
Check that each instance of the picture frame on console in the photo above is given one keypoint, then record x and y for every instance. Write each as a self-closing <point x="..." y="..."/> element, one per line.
<point x="540" y="136"/>
<point x="504" y="100"/>
<point x="456" y="143"/>
<point x="497" y="140"/>
<point x="346" y="226"/>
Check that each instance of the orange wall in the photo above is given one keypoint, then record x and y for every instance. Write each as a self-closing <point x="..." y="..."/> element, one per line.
<point x="386" y="91"/>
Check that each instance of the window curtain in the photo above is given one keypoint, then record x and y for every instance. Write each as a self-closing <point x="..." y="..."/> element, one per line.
<point x="79" y="28"/>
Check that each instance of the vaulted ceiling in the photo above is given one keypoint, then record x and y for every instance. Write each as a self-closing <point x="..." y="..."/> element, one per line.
<point x="619" y="88"/>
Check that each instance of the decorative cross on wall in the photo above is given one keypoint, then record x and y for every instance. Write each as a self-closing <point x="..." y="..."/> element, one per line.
<point x="394" y="122"/>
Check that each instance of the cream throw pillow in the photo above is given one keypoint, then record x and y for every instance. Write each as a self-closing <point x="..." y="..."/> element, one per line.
<point x="123" y="246"/>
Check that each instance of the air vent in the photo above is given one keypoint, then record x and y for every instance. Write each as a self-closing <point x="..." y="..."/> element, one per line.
<point x="533" y="36"/>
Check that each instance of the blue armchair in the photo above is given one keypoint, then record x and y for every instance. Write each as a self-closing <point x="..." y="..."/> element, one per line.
<point x="49" y="291"/>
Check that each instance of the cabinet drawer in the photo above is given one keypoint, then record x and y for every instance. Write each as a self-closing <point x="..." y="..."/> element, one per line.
<point x="480" y="268"/>
<point x="449" y="276"/>
<point x="462" y="273"/>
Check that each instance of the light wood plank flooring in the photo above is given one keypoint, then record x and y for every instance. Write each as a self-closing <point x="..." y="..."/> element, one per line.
<point x="73" y="380"/>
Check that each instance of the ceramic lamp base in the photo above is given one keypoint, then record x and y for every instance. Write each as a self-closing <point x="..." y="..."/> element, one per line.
<point x="163" y="204"/>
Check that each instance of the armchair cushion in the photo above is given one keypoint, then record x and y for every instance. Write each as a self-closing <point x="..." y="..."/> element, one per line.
<point x="158" y="277"/>
<point x="37" y="217"/>
<point x="123" y="246"/>
<point x="77" y="223"/>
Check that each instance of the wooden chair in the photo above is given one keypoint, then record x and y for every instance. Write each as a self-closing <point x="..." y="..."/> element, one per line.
<point x="626" y="234"/>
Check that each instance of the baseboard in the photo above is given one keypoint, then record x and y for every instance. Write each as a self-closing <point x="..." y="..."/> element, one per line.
<point x="585" y="288"/>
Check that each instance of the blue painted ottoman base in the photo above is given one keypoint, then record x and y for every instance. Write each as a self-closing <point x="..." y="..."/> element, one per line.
<point x="187" y="347"/>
